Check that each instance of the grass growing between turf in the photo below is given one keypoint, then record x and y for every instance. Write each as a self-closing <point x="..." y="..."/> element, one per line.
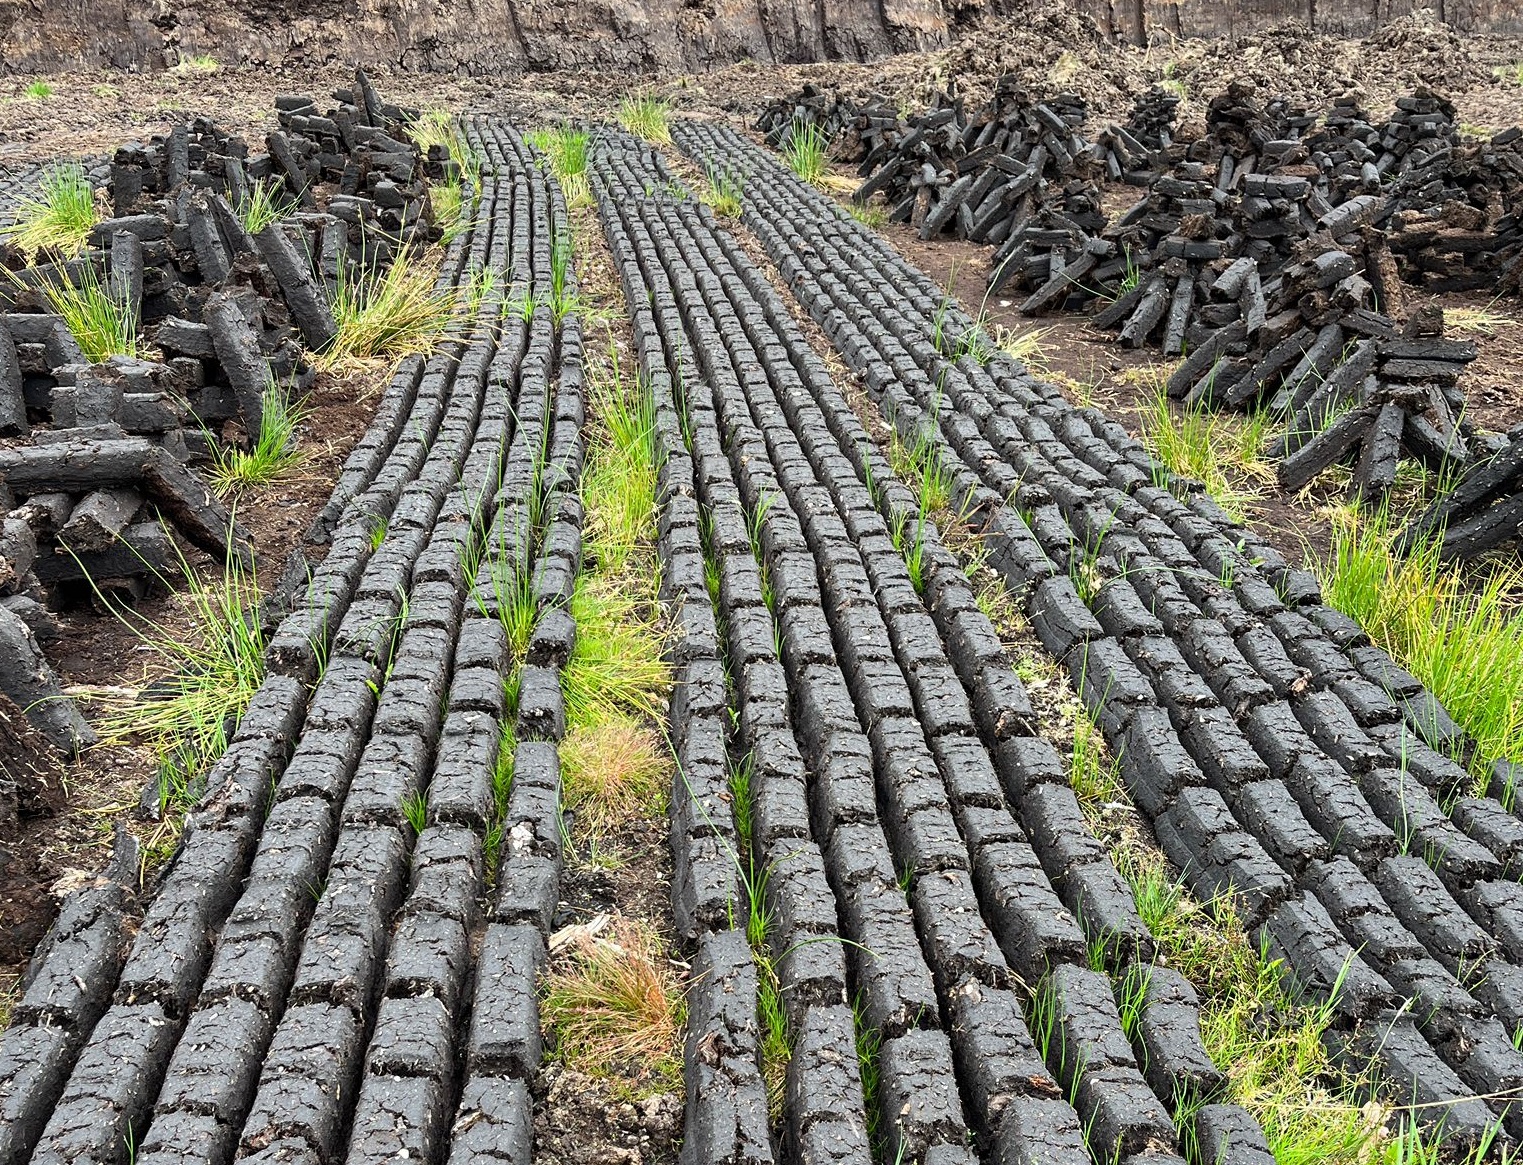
<point x="261" y="207"/>
<point x="565" y="147"/>
<point x="100" y="323"/>
<point x="61" y="219"/>
<point x="1459" y="631"/>
<point x="613" y="1008"/>
<point x="1220" y="450"/>
<point x="214" y="656"/>
<point x="647" y="116"/>
<point x="804" y="152"/>
<point x="273" y="453"/>
<point x="398" y="312"/>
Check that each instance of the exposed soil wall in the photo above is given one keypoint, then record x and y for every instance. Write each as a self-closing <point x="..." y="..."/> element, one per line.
<point x="638" y="36"/>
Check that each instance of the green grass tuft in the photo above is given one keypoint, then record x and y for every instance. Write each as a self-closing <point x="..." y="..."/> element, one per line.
<point x="1219" y="450"/>
<point x="647" y="116"/>
<point x="100" y="323"/>
<point x="1458" y="631"/>
<point x="274" y="451"/>
<point x="619" y="485"/>
<point x="617" y="667"/>
<point x="725" y="193"/>
<point x="38" y="90"/>
<point x="804" y="151"/>
<point x="397" y="313"/>
<point x="261" y="207"/>
<point x="61" y="219"/>
<point x="566" y="148"/>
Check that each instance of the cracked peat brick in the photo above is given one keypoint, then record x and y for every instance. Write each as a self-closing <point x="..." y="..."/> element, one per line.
<point x="1408" y="1068"/>
<point x="1039" y="1130"/>
<point x="1270" y="813"/>
<point x="918" y="1095"/>
<point x="1024" y="762"/>
<point x="1352" y="901"/>
<point x="494" y="1123"/>
<point x="1059" y="617"/>
<point x="429" y="954"/>
<point x="1277" y="736"/>
<point x="397" y="1118"/>
<point x="111" y="1087"/>
<point x="75" y="966"/>
<point x="1220" y="748"/>
<point x="826" y="1121"/>
<point x="960" y="944"/>
<point x="1121" y="1115"/>
<point x="446" y="873"/>
<point x="996" y="1058"/>
<point x="1034" y="929"/>
<point x="1333" y="803"/>
<point x="891" y="969"/>
<point x="1170" y="1050"/>
<point x="215" y="1066"/>
<point x="1328" y="721"/>
<point x="726" y="1101"/>
<point x="1482" y="1054"/>
<point x="1154" y="763"/>
<point x="1228" y="1134"/>
<point x="461" y="789"/>
<point x="1317" y="958"/>
<point x="412" y="1037"/>
<point x="1425" y="907"/>
<point x="391" y="769"/>
<point x="1421" y="826"/>
<point x="34" y="1065"/>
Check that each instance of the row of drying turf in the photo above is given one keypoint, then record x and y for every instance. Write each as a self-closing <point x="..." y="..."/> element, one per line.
<point x="315" y="979"/>
<point x="1278" y="755"/>
<point x="863" y="798"/>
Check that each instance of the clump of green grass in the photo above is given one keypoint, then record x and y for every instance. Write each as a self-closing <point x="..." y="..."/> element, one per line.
<point x="725" y="193"/>
<point x="619" y="485"/>
<point x="61" y="219"/>
<point x="1214" y="448"/>
<point x="213" y="654"/>
<point x="804" y="151"/>
<point x="273" y="453"/>
<point x="1027" y="347"/>
<point x="197" y="65"/>
<point x="613" y="1007"/>
<point x="1459" y="631"/>
<point x="396" y="313"/>
<point x="38" y="90"/>
<point x="617" y="667"/>
<point x="566" y="148"/>
<point x="450" y="198"/>
<point x="871" y="214"/>
<point x="261" y="207"/>
<point x="100" y="323"/>
<point x="647" y="116"/>
<point x="1512" y="74"/>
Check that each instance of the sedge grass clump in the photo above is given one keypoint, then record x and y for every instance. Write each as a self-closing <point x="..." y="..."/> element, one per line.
<point x="1223" y="453"/>
<point x="273" y="452"/>
<point x="451" y="197"/>
<point x="565" y="147"/>
<point x="647" y="116"/>
<point x="611" y="773"/>
<point x="871" y="214"/>
<point x="619" y="485"/>
<point x="725" y="192"/>
<point x="101" y="324"/>
<point x="213" y="654"/>
<point x="38" y="90"/>
<point x="804" y="152"/>
<point x="613" y="1007"/>
<point x="1459" y="631"/>
<point x="60" y="219"/>
<point x="617" y="667"/>
<point x="261" y="207"/>
<point x="396" y="313"/>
